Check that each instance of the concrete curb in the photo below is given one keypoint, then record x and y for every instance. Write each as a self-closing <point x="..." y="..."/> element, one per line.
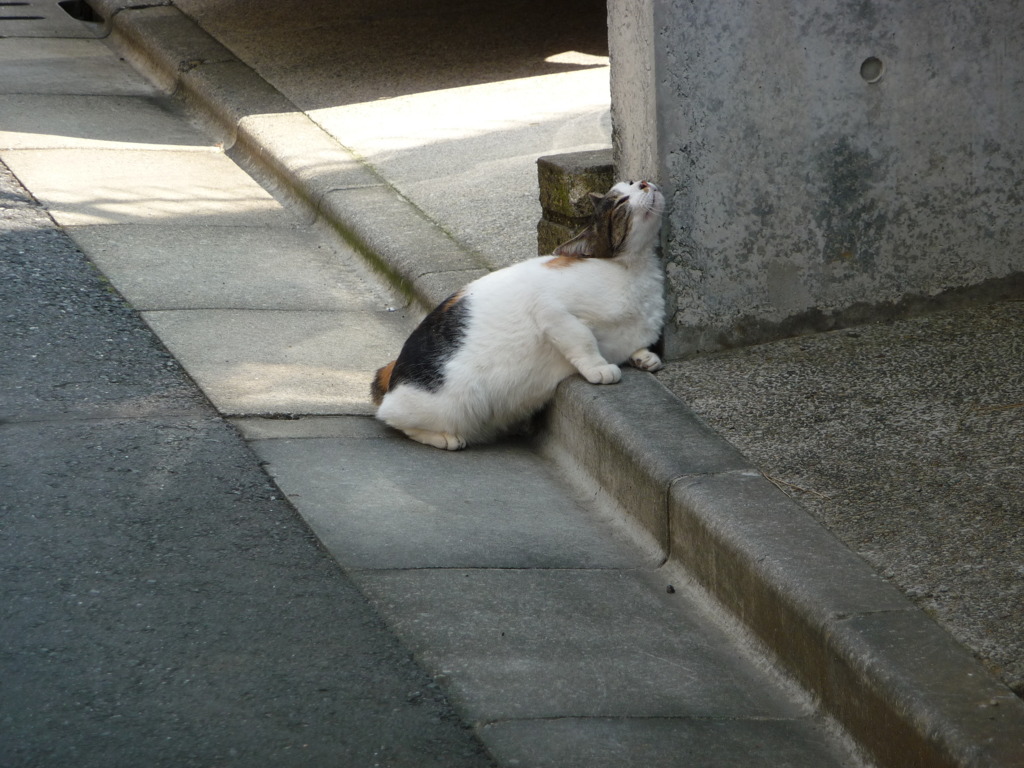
<point x="272" y="138"/>
<point x="904" y="689"/>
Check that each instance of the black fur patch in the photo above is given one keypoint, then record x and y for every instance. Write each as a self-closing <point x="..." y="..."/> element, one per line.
<point x="425" y="353"/>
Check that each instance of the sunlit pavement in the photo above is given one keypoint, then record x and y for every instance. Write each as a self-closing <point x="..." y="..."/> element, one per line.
<point x="261" y="315"/>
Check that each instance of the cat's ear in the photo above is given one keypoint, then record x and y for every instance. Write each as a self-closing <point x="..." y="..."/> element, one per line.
<point x="581" y="245"/>
<point x="596" y="199"/>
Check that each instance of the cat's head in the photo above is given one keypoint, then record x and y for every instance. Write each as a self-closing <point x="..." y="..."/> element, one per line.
<point x="626" y="220"/>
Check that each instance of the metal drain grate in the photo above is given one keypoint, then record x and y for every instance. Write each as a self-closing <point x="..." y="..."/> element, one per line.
<point x="5" y="17"/>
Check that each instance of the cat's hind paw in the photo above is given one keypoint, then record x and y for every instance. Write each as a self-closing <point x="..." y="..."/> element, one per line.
<point x="444" y="440"/>
<point x="646" y="360"/>
<point x="603" y="374"/>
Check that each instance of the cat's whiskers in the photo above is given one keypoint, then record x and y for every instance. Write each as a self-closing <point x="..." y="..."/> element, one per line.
<point x="654" y="205"/>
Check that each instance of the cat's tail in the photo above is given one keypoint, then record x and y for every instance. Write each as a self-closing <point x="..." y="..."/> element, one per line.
<point x="381" y="383"/>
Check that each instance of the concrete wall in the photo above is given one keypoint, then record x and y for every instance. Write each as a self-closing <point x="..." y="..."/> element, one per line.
<point x="809" y="185"/>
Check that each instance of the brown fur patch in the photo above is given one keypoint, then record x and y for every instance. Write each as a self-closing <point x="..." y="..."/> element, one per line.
<point x="452" y="300"/>
<point x="561" y="262"/>
<point x="381" y="383"/>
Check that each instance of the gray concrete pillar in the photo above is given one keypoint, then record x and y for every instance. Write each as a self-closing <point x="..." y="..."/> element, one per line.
<point x="826" y="163"/>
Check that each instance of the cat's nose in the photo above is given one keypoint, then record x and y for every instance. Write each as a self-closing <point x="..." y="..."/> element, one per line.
<point x="645" y="185"/>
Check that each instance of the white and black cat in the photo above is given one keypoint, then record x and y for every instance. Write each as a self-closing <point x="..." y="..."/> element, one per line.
<point x="492" y="354"/>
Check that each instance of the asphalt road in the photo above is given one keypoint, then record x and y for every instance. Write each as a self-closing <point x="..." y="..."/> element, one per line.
<point x="161" y="604"/>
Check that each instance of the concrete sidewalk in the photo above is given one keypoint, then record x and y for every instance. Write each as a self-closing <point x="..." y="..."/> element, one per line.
<point x="162" y="603"/>
<point x="199" y="622"/>
<point x="907" y="692"/>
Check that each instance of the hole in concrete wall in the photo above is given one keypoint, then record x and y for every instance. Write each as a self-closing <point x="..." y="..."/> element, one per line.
<point x="872" y="69"/>
<point x="81" y="10"/>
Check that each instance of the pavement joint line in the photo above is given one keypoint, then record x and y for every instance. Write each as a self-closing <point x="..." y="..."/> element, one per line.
<point x="349" y="187"/>
<point x="275" y="310"/>
<point x="208" y="150"/>
<point x="505" y="568"/>
<point x="64" y="418"/>
<point x="841" y="616"/>
<point x="654" y="719"/>
<point x="922" y="728"/>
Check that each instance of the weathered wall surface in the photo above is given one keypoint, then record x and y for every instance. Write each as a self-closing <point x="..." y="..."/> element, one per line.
<point x="633" y="92"/>
<point x="826" y="162"/>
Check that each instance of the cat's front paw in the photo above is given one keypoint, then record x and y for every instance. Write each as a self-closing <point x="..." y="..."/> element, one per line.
<point x="603" y="374"/>
<point x="446" y="441"/>
<point x="646" y="360"/>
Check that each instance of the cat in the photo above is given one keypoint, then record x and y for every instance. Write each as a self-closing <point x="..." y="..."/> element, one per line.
<point x="492" y="354"/>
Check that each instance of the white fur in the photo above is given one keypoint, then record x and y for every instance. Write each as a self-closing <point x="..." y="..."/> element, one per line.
<point x="532" y="325"/>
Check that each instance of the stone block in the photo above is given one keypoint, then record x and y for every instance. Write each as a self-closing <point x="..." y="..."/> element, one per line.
<point x="193" y="186"/>
<point x="42" y="66"/>
<point x="550" y="235"/>
<point x="566" y="182"/>
<point x="273" y="268"/>
<point x="94" y="122"/>
<point x="378" y="500"/>
<point x="263" y="361"/>
<point x="554" y="643"/>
